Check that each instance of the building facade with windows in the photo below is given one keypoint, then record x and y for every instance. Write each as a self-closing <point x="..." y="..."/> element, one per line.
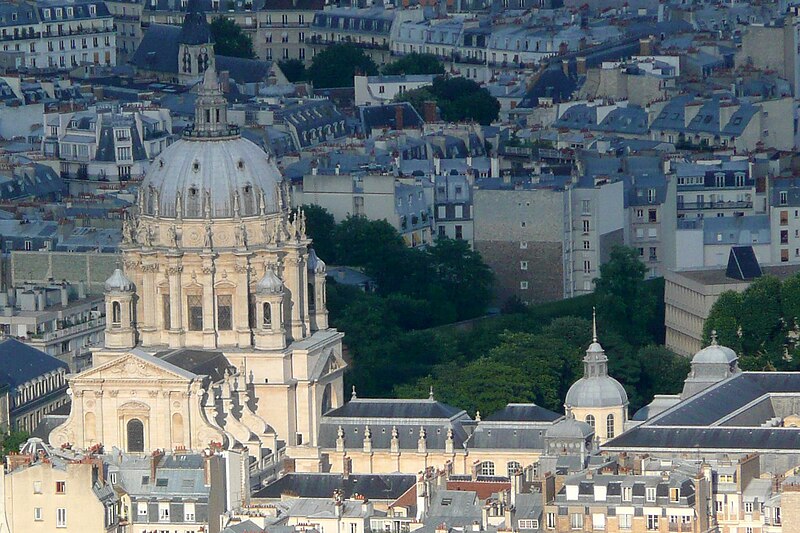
<point x="58" y="35"/>
<point x="715" y="188"/>
<point x="453" y="207"/>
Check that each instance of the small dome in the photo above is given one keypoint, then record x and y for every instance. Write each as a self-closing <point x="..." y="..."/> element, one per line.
<point x="315" y="264"/>
<point x="715" y="354"/>
<point x="269" y="284"/>
<point x="569" y="428"/>
<point x="118" y="282"/>
<point x="599" y="391"/>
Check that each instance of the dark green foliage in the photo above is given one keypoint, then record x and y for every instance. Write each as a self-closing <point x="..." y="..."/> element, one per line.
<point x="12" y="441"/>
<point x="230" y="40"/>
<point x="336" y="65"/>
<point x="623" y="301"/>
<point x="320" y="226"/>
<point x="757" y="323"/>
<point x="293" y="69"/>
<point x="415" y="63"/>
<point x="458" y="99"/>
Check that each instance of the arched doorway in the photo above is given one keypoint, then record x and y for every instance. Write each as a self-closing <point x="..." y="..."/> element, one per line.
<point x="135" y="435"/>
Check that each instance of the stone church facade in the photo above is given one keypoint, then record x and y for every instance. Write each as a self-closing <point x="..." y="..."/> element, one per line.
<point x="217" y="325"/>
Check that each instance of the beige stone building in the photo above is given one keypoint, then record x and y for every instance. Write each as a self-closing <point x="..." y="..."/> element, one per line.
<point x="45" y="493"/>
<point x="217" y="326"/>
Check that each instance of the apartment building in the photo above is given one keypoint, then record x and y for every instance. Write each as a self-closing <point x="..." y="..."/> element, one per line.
<point x="127" y="17"/>
<point x="407" y="204"/>
<point x="58" y="319"/>
<point x="105" y="144"/>
<point x="651" y="222"/>
<point x="48" y="490"/>
<point x="59" y="35"/>
<point x="377" y="90"/>
<point x="715" y="188"/>
<point x="453" y="207"/>
<point x="784" y="219"/>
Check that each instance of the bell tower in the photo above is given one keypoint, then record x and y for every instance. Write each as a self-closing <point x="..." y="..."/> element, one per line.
<point x="120" y="321"/>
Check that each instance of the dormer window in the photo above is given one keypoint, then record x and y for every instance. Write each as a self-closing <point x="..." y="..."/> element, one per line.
<point x="196" y="166"/>
<point x="240" y="165"/>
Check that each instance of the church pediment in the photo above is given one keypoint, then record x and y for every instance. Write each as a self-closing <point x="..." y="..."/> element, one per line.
<point x="134" y="366"/>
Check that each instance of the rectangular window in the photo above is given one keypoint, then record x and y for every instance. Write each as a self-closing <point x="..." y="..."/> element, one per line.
<point x="523" y="265"/>
<point x="61" y="487"/>
<point x="748" y="507"/>
<point x="188" y="512"/>
<point x="523" y="245"/>
<point x="650" y="494"/>
<point x="586" y="226"/>
<point x="627" y="494"/>
<point x="61" y="517"/>
<point x="163" y="512"/>
<point x="652" y="522"/>
<point x="576" y="521"/>
<point x="551" y="520"/>
<point x="598" y="521"/>
<point x="523" y="285"/>
<point x="585" y="207"/>
<point x="195" y="305"/>
<point x="528" y="524"/>
<point x="586" y="245"/>
<point x="224" y="312"/>
<point x="587" y="267"/>
<point x="625" y="521"/>
<point x="652" y="215"/>
<point x="784" y="197"/>
<point x="37" y="487"/>
<point x="675" y="495"/>
<point x="37" y="514"/>
<point x="141" y="509"/>
<point x="459" y="232"/>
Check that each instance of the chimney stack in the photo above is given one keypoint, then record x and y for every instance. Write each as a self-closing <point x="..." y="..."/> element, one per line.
<point x="645" y="46"/>
<point x="398" y="117"/>
<point x="580" y="64"/>
<point x="429" y="111"/>
<point x="565" y="67"/>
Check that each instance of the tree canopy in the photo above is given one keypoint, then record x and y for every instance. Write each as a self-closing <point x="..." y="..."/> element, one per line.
<point x="760" y="324"/>
<point x="458" y="100"/>
<point x="336" y="65"/>
<point x="293" y="69"/>
<point x="230" y="40"/>
<point x="415" y="63"/>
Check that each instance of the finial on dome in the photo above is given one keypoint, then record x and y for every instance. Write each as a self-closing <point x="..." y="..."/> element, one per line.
<point x="210" y="81"/>
<point x="430" y="394"/>
<point x="594" y="324"/>
<point x="353" y="396"/>
<point x="714" y="337"/>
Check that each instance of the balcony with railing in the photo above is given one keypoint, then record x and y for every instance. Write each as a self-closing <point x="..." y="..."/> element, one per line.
<point x="69" y="331"/>
<point x="733" y="204"/>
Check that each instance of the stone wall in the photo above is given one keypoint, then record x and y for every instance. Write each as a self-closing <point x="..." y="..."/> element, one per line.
<point x="91" y="268"/>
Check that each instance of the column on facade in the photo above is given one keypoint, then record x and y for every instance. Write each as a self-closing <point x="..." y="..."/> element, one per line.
<point x="241" y="307"/>
<point x="293" y="279"/>
<point x="148" y="295"/>
<point x="175" y="302"/>
<point x="209" y="307"/>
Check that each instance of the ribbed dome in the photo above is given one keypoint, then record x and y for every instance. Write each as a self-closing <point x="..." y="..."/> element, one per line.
<point x="600" y="391"/>
<point x="715" y="354"/>
<point x="208" y="175"/>
<point x="569" y="428"/>
<point x="269" y="284"/>
<point x="118" y="282"/>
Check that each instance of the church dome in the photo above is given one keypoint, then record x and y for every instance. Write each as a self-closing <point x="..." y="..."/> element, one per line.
<point x="212" y="172"/>
<point x="600" y="391"/>
<point x="569" y="428"/>
<point x="269" y="284"/>
<point x="118" y="282"/>
<point x="715" y="354"/>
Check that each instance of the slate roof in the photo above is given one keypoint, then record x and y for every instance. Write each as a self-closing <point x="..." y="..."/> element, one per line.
<point x="244" y="70"/>
<point x="731" y="415"/>
<point x="316" y="485"/>
<point x="383" y="117"/>
<point x="20" y="363"/>
<point x="394" y="409"/>
<point x="158" y="50"/>
<point x="201" y="362"/>
<point x="523" y="412"/>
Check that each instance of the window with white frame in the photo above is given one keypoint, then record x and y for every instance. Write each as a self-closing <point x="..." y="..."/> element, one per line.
<point x="551" y="520"/>
<point x="141" y="509"/>
<point x="61" y="517"/>
<point x="188" y="512"/>
<point x="652" y="522"/>
<point x="37" y="514"/>
<point x="598" y="521"/>
<point x="748" y="507"/>
<point x="523" y="285"/>
<point x="523" y="265"/>
<point x="486" y="468"/>
<point x="523" y="245"/>
<point x="528" y="524"/>
<point x="650" y="494"/>
<point x="625" y="521"/>
<point x="576" y="521"/>
<point x="163" y="512"/>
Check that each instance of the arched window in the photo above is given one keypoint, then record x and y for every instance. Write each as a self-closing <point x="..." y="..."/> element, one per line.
<point x="267" y="315"/>
<point x="610" y="426"/>
<point x="513" y="467"/>
<point x="590" y="420"/>
<point x="486" y="468"/>
<point x="116" y="313"/>
<point x="312" y="304"/>
<point x="135" y="435"/>
<point x="326" y="399"/>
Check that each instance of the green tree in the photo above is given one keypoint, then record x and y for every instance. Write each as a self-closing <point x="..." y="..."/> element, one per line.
<point x="320" y="226"/>
<point x="456" y="266"/>
<point x="230" y="40"/>
<point x="415" y="63"/>
<point x="623" y="300"/>
<point x="724" y="318"/>
<point x="790" y="301"/>
<point x="293" y="69"/>
<point x="458" y="99"/>
<point x="13" y="440"/>
<point x="762" y="325"/>
<point x="663" y="371"/>
<point x="336" y="65"/>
